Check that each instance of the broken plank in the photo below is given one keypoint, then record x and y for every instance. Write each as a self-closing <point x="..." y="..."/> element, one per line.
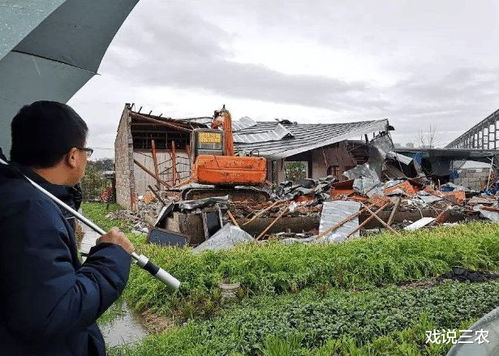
<point x="285" y="210"/>
<point x="150" y="173"/>
<point x="394" y="211"/>
<point x="231" y="217"/>
<point x="174" y="163"/>
<point x="364" y="223"/>
<point x="155" y="160"/>
<point x="263" y="211"/>
<point x="381" y="221"/>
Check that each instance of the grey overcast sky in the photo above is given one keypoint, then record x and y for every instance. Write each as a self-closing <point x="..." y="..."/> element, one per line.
<point x="418" y="63"/>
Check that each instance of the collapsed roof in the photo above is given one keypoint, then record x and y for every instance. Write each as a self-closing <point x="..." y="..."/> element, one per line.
<point x="281" y="139"/>
<point x="274" y="139"/>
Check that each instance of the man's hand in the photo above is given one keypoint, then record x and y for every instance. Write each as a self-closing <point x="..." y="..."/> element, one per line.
<point x="115" y="236"/>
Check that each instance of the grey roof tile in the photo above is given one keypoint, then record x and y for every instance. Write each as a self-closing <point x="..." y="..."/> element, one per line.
<point x="304" y="137"/>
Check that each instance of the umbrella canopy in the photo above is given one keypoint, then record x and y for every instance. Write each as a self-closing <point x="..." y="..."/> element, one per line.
<point x="50" y="48"/>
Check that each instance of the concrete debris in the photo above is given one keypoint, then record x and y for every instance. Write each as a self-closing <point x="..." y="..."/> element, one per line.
<point x="227" y="237"/>
<point x="482" y="201"/>
<point x="137" y="220"/>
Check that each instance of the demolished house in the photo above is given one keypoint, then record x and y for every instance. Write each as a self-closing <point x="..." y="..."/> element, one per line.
<point x="146" y="147"/>
<point x="325" y="182"/>
<point x="145" y="142"/>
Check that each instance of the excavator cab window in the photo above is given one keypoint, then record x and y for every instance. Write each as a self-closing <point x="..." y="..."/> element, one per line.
<point x="207" y="142"/>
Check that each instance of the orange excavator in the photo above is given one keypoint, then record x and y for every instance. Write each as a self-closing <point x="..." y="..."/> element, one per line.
<point x="216" y="164"/>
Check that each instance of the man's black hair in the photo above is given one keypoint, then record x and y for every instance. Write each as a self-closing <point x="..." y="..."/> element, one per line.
<point x="43" y="132"/>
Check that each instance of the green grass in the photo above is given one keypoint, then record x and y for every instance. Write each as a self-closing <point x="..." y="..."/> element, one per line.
<point x="274" y="268"/>
<point x="97" y="213"/>
<point x="336" y="299"/>
<point x="386" y="321"/>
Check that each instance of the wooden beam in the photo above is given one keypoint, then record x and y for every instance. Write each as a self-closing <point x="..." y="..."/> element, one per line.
<point x="263" y="211"/>
<point x="150" y="173"/>
<point x="155" y="160"/>
<point x="188" y="151"/>
<point x="380" y="220"/>
<point x="163" y="123"/>
<point x="364" y="223"/>
<point x="232" y="218"/>
<point x="174" y="163"/>
<point x="326" y="163"/>
<point x="394" y="211"/>
<point x="156" y="194"/>
<point x="285" y="210"/>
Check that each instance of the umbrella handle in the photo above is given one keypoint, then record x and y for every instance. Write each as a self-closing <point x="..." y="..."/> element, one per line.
<point x="157" y="272"/>
<point x="142" y="261"/>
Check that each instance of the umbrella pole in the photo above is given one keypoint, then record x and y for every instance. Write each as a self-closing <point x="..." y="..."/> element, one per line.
<point x="142" y="261"/>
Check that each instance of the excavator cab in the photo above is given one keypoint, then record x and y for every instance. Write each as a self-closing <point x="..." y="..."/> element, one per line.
<point x="207" y="142"/>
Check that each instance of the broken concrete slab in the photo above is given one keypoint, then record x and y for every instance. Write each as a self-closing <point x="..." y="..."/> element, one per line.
<point x="225" y="238"/>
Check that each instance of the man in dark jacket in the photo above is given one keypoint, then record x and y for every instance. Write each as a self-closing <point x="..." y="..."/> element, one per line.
<point x="49" y="301"/>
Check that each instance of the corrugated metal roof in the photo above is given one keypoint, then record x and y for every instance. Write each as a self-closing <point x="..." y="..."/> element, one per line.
<point x="279" y="139"/>
<point x="304" y="137"/>
<point x="243" y="123"/>
<point x="278" y="133"/>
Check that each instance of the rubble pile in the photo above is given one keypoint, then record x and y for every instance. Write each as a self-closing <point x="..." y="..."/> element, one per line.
<point x="141" y="219"/>
<point x="311" y="190"/>
<point x="317" y="210"/>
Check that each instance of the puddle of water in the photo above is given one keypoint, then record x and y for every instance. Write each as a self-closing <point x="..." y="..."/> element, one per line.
<point x="125" y="329"/>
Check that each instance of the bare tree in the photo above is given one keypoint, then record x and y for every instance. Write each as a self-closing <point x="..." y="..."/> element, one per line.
<point x="428" y="139"/>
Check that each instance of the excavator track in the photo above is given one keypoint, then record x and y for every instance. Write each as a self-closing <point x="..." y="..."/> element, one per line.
<point x="236" y="194"/>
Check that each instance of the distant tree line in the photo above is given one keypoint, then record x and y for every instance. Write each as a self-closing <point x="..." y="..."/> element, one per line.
<point x="94" y="182"/>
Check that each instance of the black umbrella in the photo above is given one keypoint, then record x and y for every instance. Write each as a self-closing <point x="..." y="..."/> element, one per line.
<point x="49" y="49"/>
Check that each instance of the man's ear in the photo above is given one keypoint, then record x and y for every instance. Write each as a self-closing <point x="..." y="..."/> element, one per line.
<point x="72" y="158"/>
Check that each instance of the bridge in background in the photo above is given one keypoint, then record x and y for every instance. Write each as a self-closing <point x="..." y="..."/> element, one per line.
<point x="483" y="135"/>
